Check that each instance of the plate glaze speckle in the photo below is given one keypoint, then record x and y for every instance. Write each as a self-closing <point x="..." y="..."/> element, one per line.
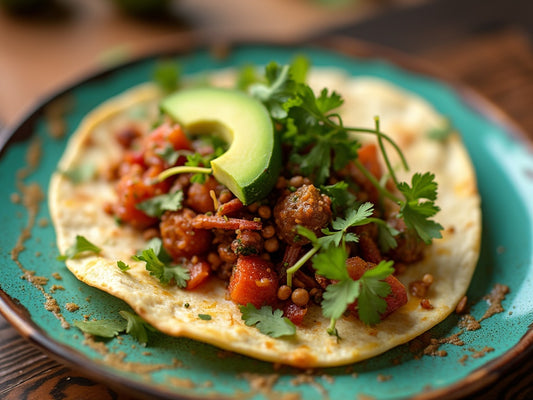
<point x="182" y="368"/>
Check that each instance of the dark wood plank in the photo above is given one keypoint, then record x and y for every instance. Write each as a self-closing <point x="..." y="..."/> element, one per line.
<point x="499" y="65"/>
<point x="27" y="373"/>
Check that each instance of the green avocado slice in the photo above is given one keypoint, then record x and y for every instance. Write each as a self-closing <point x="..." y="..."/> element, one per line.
<point x="251" y="165"/>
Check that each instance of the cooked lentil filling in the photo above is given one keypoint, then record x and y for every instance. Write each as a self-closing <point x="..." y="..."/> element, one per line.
<point x="216" y="236"/>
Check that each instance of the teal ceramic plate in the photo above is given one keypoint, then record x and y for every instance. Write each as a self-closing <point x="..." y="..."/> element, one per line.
<point x="182" y="368"/>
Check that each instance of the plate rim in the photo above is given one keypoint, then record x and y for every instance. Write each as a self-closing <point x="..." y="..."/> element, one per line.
<point x="480" y="378"/>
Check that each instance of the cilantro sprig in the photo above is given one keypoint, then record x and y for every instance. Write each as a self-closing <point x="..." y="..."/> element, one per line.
<point x="159" y="264"/>
<point x="131" y="324"/>
<point x="80" y="173"/>
<point x="320" y="142"/>
<point x="329" y="255"/>
<point x="271" y="323"/>
<point x="341" y="234"/>
<point x="369" y="291"/>
<point x="157" y="205"/>
<point x="80" y="247"/>
<point x="137" y="327"/>
<point x="416" y="211"/>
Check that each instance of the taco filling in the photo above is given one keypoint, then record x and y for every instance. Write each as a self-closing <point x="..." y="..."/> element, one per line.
<point x="275" y="220"/>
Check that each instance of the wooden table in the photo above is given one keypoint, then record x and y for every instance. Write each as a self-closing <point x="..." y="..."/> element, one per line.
<point x="496" y="60"/>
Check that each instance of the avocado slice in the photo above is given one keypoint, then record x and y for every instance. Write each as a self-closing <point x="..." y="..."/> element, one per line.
<point x="251" y="165"/>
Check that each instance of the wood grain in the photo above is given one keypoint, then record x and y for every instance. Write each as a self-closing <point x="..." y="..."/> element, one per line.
<point x="498" y="64"/>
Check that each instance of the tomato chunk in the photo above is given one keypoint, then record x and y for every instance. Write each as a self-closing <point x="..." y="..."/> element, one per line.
<point x="133" y="188"/>
<point x="368" y="156"/>
<point x="253" y="281"/>
<point x="356" y="267"/>
<point x="199" y="272"/>
<point x="159" y="140"/>
<point x="295" y="313"/>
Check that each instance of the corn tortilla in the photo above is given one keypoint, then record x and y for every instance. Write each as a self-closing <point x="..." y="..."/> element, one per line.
<point x="78" y="209"/>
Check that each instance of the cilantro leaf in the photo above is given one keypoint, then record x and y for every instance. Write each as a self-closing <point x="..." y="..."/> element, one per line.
<point x="307" y="233"/>
<point x="80" y="246"/>
<point x="161" y="268"/>
<point x="371" y="301"/>
<point x="354" y="217"/>
<point x="137" y="327"/>
<point x="159" y="250"/>
<point x="441" y="132"/>
<point x="386" y="234"/>
<point x="299" y="68"/>
<point x="416" y="217"/>
<point x="80" y="173"/>
<point x="157" y="205"/>
<point x="416" y="213"/>
<point x="123" y="266"/>
<point x="338" y="296"/>
<point x="106" y="328"/>
<point x="422" y="186"/>
<point x="369" y="291"/>
<point x="205" y="317"/>
<point x="276" y="91"/>
<point x="167" y="75"/>
<point x="340" y="197"/>
<point x="312" y="125"/>
<point x="169" y="154"/>
<point x="331" y="263"/>
<point x="270" y="323"/>
<point x="246" y="76"/>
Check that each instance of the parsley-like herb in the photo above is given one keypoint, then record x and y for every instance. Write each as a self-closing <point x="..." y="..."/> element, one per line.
<point x="341" y="198"/>
<point x="442" y="132"/>
<point x="80" y="246"/>
<point x="355" y="217"/>
<point x="205" y="317"/>
<point x="271" y="323"/>
<point x="359" y="216"/>
<point x="158" y="263"/>
<point x="246" y="76"/>
<point x="369" y="290"/>
<point x="157" y="205"/>
<point x="276" y="91"/>
<point x="371" y="302"/>
<point x="123" y="266"/>
<point x="132" y="324"/>
<point x="416" y="213"/>
<point x="167" y="75"/>
<point x="80" y="173"/>
<point x="137" y="327"/>
<point x="106" y="328"/>
<point x="169" y="154"/>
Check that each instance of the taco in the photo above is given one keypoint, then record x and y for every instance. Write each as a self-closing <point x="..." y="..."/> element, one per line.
<point x="261" y="223"/>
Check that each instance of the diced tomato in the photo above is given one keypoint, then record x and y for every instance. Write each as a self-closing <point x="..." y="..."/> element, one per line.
<point x="199" y="198"/>
<point x="134" y="157"/>
<point x="356" y="267"/>
<point x="158" y="141"/>
<point x="133" y="188"/>
<point x="368" y="156"/>
<point x="253" y="281"/>
<point x="199" y="272"/>
<point x="295" y="313"/>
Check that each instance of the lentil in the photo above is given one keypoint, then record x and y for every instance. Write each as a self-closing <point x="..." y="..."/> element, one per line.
<point x="300" y="297"/>
<point x="284" y="292"/>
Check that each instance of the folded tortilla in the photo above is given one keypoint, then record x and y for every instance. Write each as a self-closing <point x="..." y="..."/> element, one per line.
<point x="78" y="209"/>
